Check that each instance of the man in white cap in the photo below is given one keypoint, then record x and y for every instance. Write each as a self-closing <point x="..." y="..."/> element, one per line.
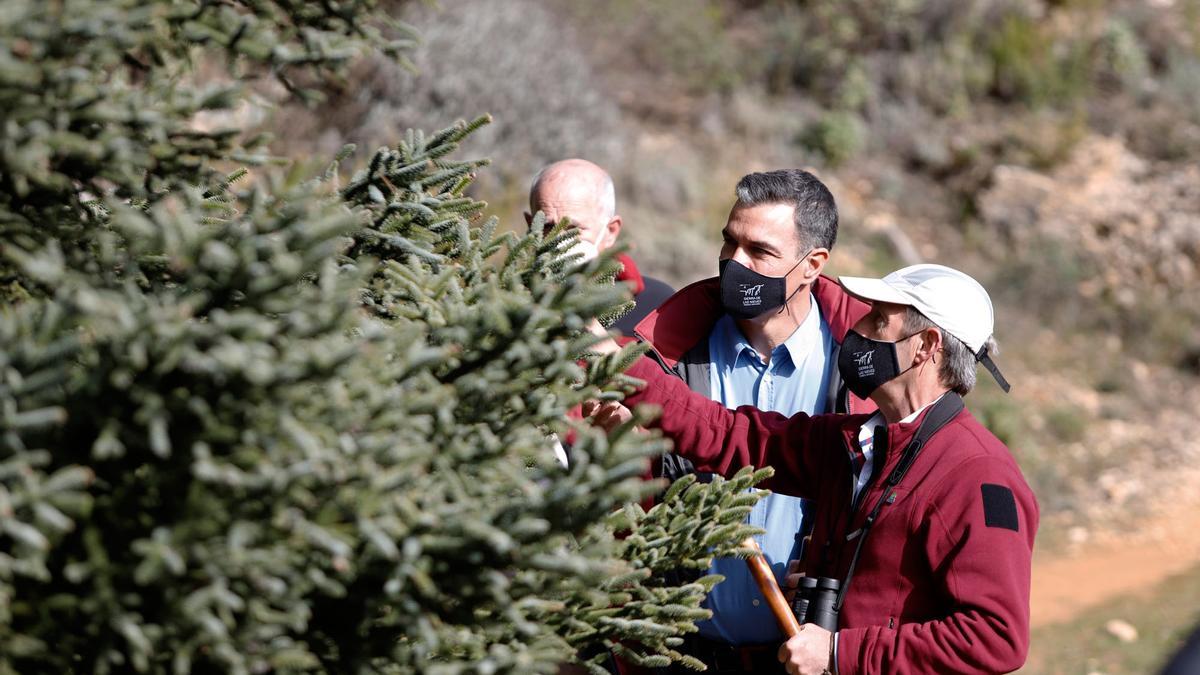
<point x="925" y="524"/>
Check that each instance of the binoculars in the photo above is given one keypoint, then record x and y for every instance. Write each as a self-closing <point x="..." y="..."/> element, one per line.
<point x="816" y="602"/>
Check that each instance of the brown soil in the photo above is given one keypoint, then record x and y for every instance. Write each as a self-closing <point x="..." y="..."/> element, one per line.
<point x="1065" y="585"/>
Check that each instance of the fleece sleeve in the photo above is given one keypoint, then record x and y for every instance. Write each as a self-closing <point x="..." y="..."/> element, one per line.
<point x="981" y="524"/>
<point x="719" y="440"/>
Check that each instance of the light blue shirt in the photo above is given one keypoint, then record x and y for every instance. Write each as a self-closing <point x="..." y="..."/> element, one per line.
<point x="795" y="380"/>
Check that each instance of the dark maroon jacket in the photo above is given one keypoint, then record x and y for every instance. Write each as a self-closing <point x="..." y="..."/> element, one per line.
<point x="943" y="582"/>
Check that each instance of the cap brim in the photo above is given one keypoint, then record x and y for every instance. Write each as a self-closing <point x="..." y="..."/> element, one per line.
<point x="873" y="290"/>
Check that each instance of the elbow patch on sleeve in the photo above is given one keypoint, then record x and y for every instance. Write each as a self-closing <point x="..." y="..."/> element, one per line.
<point x="999" y="507"/>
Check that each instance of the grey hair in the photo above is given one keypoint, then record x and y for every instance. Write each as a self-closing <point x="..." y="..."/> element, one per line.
<point x="816" y="212"/>
<point x="957" y="369"/>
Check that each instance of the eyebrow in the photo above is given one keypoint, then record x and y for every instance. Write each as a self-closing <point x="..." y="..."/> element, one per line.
<point x="766" y="246"/>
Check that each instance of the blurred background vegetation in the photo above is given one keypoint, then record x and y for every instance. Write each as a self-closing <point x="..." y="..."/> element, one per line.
<point x="1047" y="147"/>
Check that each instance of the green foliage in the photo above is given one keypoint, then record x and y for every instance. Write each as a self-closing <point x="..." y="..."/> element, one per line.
<point x="100" y="99"/>
<point x="944" y="56"/>
<point x="289" y="424"/>
<point x="1067" y="424"/>
<point x="693" y="523"/>
<point x="1121" y="59"/>
<point x="837" y="136"/>
<point x="1045" y="464"/>
<point x="1002" y="417"/>
<point x="1030" y="66"/>
<point x="1045" y="280"/>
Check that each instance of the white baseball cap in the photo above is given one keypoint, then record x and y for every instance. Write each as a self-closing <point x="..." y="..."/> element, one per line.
<point x="953" y="301"/>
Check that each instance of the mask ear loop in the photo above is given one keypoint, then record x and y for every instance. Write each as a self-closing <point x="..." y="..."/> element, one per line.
<point x="785" y="276"/>
<point x="896" y="356"/>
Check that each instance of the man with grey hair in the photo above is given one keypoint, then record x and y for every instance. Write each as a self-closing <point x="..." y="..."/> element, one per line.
<point x="583" y="193"/>
<point x="765" y="332"/>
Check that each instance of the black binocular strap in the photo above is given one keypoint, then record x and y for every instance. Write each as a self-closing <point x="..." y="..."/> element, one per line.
<point x="939" y="416"/>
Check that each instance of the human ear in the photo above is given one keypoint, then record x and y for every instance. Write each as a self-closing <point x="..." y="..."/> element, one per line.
<point x="930" y="344"/>
<point x="611" y="231"/>
<point x="815" y="264"/>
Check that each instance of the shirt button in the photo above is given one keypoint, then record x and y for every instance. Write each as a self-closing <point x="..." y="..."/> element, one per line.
<point x="754" y="602"/>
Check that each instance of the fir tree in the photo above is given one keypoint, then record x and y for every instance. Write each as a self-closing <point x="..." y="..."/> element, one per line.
<point x="306" y="424"/>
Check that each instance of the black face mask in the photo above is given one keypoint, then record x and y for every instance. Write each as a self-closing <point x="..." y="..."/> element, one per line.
<point x="746" y="294"/>
<point x="866" y="364"/>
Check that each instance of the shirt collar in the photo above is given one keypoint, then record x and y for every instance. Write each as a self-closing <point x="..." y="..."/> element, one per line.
<point x="797" y="347"/>
<point x="911" y="418"/>
<point x="868" y="427"/>
<point x="807" y="335"/>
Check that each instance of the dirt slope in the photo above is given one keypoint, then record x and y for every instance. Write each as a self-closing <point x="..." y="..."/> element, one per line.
<point x="1066" y="585"/>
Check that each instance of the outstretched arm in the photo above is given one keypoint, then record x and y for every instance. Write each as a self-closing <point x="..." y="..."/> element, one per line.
<point x="722" y="441"/>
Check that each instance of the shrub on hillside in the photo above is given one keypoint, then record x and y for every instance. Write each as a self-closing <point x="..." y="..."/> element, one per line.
<point x="513" y="56"/>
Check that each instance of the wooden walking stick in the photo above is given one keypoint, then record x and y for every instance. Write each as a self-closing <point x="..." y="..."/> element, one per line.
<point x="765" y="578"/>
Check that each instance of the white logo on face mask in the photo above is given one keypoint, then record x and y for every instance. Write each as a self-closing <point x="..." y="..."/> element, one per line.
<point x="752" y="291"/>
<point x="864" y="361"/>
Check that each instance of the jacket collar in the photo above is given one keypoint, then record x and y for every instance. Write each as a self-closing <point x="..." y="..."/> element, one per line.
<point x="898" y="434"/>
<point x="688" y="316"/>
<point x="630" y="274"/>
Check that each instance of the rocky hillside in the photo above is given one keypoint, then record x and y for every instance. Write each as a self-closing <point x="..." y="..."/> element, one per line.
<point x="1047" y="147"/>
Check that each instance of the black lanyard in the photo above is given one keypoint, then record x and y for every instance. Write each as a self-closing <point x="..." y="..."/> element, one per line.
<point x="942" y="412"/>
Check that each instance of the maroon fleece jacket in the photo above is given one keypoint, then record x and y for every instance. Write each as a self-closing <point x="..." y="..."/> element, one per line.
<point x="942" y="585"/>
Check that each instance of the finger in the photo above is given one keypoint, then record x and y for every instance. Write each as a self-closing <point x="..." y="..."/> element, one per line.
<point x="600" y="410"/>
<point x="793" y="566"/>
<point x="618" y="412"/>
<point x="785" y="656"/>
<point x="791" y="581"/>
<point x="785" y="649"/>
<point x="597" y="329"/>
<point x="611" y="415"/>
<point x="606" y="421"/>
